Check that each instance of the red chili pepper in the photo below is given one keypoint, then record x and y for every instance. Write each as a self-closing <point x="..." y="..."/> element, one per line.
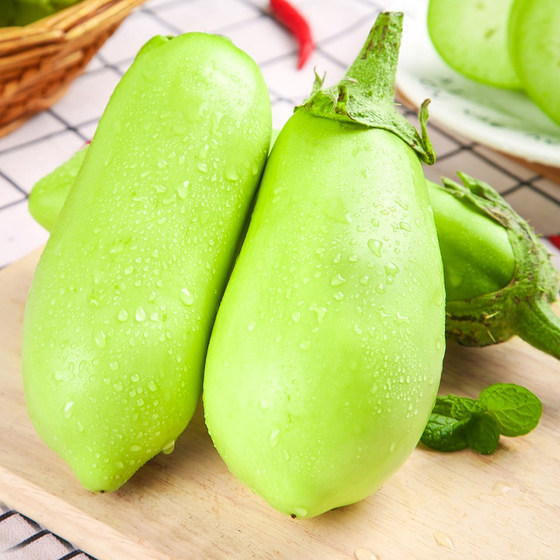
<point x="555" y="240"/>
<point x="297" y="25"/>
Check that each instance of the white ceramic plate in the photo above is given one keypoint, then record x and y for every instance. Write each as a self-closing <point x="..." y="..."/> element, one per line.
<point x="507" y="121"/>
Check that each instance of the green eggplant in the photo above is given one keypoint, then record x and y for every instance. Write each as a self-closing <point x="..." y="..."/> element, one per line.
<point x="325" y="358"/>
<point x="499" y="278"/>
<point x="122" y="302"/>
<point x="477" y="253"/>
<point x="51" y="191"/>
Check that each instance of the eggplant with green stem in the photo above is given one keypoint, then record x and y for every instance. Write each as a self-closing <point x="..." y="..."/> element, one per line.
<point x="326" y="354"/>
<point x="477" y="253"/>
<point x="499" y="278"/>
<point x="480" y="264"/>
<point x="123" y="298"/>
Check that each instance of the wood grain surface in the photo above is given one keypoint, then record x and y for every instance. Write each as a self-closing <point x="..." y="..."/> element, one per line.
<point x="187" y="505"/>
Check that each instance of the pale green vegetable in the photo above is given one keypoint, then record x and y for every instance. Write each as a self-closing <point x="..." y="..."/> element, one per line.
<point x="326" y="354"/>
<point x="499" y="278"/>
<point x="49" y="193"/>
<point x="123" y="299"/>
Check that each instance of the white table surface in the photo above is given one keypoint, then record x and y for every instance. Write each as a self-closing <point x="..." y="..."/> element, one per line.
<point x="339" y="28"/>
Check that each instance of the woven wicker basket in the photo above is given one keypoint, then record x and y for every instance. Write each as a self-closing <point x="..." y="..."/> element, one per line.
<point x="39" y="61"/>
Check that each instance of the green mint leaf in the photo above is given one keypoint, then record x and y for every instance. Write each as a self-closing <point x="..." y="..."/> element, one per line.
<point x="444" y="434"/>
<point x="460" y="422"/>
<point x="516" y="410"/>
<point x="444" y="405"/>
<point x="464" y="407"/>
<point x="482" y="433"/>
<point x="456" y="407"/>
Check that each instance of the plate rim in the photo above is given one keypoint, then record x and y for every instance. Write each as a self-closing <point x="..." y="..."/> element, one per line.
<point x="409" y="87"/>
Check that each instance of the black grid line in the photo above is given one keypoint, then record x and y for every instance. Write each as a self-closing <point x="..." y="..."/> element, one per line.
<point x="39" y="532"/>
<point x="29" y="540"/>
<point x="75" y="553"/>
<point x="544" y="193"/>
<point x="12" y="183"/>
<point x="7" y="514"/>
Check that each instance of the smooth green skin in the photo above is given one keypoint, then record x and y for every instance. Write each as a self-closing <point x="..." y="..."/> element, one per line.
<point x="124" y="296"/>
<point x="49" y="193"/>
<point x="471" y="37"/>
<point x="534" y="41"/>
<point x="476" y="251"/>
<point x="326" y="354"/>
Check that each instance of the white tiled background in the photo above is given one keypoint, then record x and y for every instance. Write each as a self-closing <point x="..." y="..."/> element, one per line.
<point x="339" y="28"/>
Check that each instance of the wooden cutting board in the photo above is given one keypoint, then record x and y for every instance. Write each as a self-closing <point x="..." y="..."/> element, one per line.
<point x="187" y="505"/>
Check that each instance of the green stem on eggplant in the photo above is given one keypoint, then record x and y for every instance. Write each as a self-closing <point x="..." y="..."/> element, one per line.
<point x="360" y="100"/>
<point x="538" y="325"/>
<point x="522" y="306"/>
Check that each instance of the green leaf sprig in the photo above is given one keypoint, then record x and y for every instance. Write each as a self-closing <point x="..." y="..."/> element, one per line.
<point x="460" y="422"/>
